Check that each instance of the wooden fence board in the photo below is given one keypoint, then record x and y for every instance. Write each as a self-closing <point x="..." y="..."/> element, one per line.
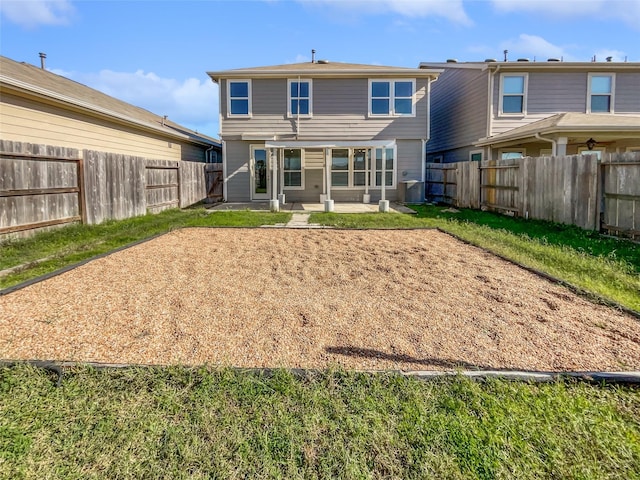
<point x="578" y="190"/>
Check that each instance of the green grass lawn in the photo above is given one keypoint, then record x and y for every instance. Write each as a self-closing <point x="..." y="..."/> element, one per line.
<point x="72" y="244"/>
<point x="205" y="423"/>
<point x="606" y="267"/>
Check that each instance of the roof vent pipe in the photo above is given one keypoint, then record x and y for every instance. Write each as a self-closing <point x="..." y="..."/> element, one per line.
<point x="43" y="56"/>
<point x="313" y="55"/>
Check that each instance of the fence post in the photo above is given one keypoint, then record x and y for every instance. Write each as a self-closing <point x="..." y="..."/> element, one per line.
<point x="524" y="191"/>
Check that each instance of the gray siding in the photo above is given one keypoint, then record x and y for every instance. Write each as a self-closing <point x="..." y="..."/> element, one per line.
<point x="551" y="92"/>
<point x="238" y="179"/>
<point x="627" y="99"/>
<point x="459" y="99"/>
<point x="340" y="108"/>
<point x="409" y="160"/>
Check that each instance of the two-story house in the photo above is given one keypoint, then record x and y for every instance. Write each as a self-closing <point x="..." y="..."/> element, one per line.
<point x="322" y="131"/>
<point x="490" y="110"/>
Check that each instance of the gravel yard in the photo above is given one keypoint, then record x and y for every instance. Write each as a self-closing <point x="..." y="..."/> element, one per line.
<point x="394" y="299"/>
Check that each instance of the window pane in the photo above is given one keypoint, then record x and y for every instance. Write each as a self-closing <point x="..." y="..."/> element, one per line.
<point x="292" y="179"/>
<point x="380" y="106"/>
<point x="389" y="176"/>
<point x="403" y="89"/>
<point x="389" y="159"/>
<point x="507" y="155"/>
<point x="403" y="105"/>
<point x="513" y="85"/>
<point x="601" y="84"/>
<point x="239" y="89"/>
<point x="359" y="178"/>
<point x="378" y="179"/>
<point x="294" y="107"/>
<point x="340" y="179"/>
<point x="380" y="89"/>
<point x="292" y="160"/>
<point x="240" y="107"/>
<point x="304" y="107"/>
<point x="378" y="159"/>
<point x="476" y="157"/>
<point x="600" y="103"/>
<point x="340" y="159"/>
<point x="294" y="89"/>
<point x="512" y="104"/>
<point x="359" y="159"/>
<point x="304" y="89"/>
<point x="260" y="155"/>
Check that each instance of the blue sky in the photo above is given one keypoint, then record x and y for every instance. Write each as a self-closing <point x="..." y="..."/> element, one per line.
<point x="154" y="54"/>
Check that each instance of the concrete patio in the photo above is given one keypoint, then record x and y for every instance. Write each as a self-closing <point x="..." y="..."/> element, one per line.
<point x="311" y="207"/>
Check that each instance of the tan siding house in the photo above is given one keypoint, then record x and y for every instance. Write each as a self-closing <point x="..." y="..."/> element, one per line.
<point x="40" y="107"/>
<point x="321" y="131"/>
<point x="490" y="110"/>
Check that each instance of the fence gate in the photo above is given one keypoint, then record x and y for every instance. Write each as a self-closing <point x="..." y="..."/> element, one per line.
<point x="214" y="181"/>
<point x="39" y="191"/>
<point x="620" y="201"/>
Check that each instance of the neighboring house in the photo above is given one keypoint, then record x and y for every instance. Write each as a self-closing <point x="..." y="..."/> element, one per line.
<point x="322" y="130"/>
<point x="40" y="107"/>
<point x="492" y="110"/>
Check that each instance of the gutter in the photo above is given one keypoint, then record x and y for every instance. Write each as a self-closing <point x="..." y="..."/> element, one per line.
<point x="554" y="145"/>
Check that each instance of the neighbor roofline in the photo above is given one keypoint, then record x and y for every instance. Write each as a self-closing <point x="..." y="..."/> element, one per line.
<point x="341" y="73"/>
<point x="483" y="142"/>
<point x="543" y="65"/>
<point x="10" y="83"/>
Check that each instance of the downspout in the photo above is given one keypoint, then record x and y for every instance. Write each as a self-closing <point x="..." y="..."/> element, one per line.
<point x="490" y="87"/>
<point x="224" y="171"/>
<point x="298" y="112"/>
<point x="554" y="148"/>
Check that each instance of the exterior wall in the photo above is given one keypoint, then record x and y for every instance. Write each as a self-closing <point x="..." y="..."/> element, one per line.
<point x="340" y="112"/>
<point x="238" y="174"/>
<point x="627" y="97"/>
<point x="30" y="121"/>
<point x="459" y="99"/>
<point x="408" y="167"/>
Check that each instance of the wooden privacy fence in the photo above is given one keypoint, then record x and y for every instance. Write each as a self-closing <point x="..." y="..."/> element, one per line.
<point x="44" y="186"/>
<point x="578" y="190"/>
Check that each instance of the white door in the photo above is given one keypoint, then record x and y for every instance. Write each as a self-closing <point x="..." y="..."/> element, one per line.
<point x="260" y="184"/>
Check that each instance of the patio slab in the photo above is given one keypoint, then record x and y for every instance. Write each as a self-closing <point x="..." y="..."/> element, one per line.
<point x="310" y="207"/>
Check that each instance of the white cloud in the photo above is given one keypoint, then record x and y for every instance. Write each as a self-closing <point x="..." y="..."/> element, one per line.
<point x="531" y="46"/>
<point x="32" y="13"/>
<point x="191" y="102"/>
<point x="626" y="10"/>
<point x="452" y="10"/>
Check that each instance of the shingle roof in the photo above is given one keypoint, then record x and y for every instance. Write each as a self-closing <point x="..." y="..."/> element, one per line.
<point x="323" y="68"/>
<point x="569" y="122"/>
<point x="35" y="79"/>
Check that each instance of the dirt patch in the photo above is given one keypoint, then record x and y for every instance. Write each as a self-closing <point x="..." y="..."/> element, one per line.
<point x="413" y="299"/>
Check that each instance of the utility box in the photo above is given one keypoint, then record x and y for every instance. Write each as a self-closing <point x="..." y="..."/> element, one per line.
<point x="411" y="191"/>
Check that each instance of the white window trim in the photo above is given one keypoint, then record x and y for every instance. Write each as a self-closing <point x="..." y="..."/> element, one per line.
<point x="437" y="159"/>
<point x="475" y="152"/>
<point x="394" y="179"/>
<point x="349" y="170"/>
<point x="372" y="169"/>
<point x="392" y="113"/>
<point x="302" y="184"/>
<point x="249" y="90"/>
<point x="613" y="90"/>
<point x="522" y="151"/>
<point x="252" y="148"/>
<point x="301" y="115"/>
<point x="524" y="95"/>
<point x="633" y="149"/>
<point x="545" y="152"/>
<point x="586" y="151"/>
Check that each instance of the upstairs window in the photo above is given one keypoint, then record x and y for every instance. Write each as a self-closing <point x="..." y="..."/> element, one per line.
<point x="390" y="98"/>
<point x="600" y="93"/>
<point x="239" y="97"/>
<point x="299" y="98"/>
<point x="513" y="95"/>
